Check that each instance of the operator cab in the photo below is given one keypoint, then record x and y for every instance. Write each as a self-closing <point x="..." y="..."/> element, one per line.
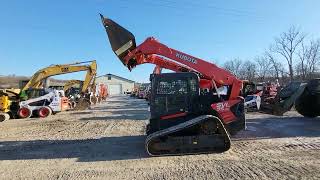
<point x="176" y="98"/>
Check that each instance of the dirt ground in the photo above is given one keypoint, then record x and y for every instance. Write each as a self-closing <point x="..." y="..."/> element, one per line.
<point x="107" y="142"/>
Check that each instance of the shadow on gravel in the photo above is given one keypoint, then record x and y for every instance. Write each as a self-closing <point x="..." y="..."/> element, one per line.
<point x="89" y="150"/>
<point x="125" y="103"/>
<point x="123" y="106"/>
<point x="118" y="117"/>
<point x="126" y="112"/>
<point x="121" y="115"/>
<point x="81" y="113"/>
<point x="129" y="111"/>
<point x="280" y="128"/>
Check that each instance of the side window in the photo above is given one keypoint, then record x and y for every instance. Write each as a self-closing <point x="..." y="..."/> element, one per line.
<point x="172" y="87"/>
<point x="193" y="86"/>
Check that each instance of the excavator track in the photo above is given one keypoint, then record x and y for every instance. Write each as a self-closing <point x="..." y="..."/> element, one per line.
<point x="213" y="139"/>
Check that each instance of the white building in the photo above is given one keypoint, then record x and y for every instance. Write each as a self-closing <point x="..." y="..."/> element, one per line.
<point x="116" y="84"/>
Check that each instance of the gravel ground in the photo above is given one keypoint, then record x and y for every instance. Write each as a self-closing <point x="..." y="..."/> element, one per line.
<point x="107" y="142"/>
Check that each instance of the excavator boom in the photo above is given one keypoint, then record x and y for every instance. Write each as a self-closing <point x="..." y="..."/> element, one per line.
<point x="61" y="69"/>
<point x="71" y="83"/>
<point x="36" y="80"/>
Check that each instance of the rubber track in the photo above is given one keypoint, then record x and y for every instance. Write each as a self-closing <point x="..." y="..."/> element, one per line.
<point x="185" y="125"/>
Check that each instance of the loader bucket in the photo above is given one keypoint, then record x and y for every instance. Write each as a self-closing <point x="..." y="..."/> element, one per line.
<point x="121" y="40"/>
<point x="308" y="103"/>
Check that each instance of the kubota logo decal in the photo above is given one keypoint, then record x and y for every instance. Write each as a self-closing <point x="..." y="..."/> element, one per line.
<point x="222" y="106"/>
<point x="186" y="58"/>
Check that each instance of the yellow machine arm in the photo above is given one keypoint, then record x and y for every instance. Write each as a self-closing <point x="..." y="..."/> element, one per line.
<point x="90" y="78"/>
<point x="71" y="83"/>
<point x="44" y="73"/>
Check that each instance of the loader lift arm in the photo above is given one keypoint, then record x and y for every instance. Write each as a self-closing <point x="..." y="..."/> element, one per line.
<point x="154" y="52"/>
<point x="161" y="63"/>
<point x="185" y="119"/>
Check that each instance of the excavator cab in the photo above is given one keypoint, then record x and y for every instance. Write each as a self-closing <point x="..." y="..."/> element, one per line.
<point x="121" y="40"/>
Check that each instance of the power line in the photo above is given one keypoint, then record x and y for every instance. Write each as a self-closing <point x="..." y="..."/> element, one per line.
<point x="210" y="6"/>
<point x="214" y="7"/>
<point x="185" y="8"/>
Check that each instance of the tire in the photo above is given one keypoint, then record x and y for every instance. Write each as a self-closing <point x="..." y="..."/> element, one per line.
<point x="148" y="129"/>
<point x="308" y="104"/>
<point x="308" y="114"/>
<point x="4" y="117"/>
<point x="44" y="112"/>
<point x="24" y="112"/>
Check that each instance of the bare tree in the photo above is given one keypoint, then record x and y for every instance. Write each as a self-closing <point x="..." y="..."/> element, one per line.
<point x="264" y="67"/>
<point x="276" y="67"/>
<point x="300" y="69"/>
<point x="234" y="66"/>
<point x="309" y="57"/>
<point x="287" y="44"/>
<point x="241" y="69"/>
<point x="248" y="71"/>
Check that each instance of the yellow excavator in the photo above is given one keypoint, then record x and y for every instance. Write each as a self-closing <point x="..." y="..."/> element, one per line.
<point x="34" y="98"/>
<point x="74" y="89"/>
<point x="71" y="83"/>
<point x="7" y="97"/>
<point x="54" y="70"/>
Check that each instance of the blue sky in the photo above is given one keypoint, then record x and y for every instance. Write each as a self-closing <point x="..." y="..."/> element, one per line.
<point x="38" y="33"/>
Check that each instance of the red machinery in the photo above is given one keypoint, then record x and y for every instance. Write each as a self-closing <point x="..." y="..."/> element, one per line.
<point x="103" y="92"/>
<point x="189" y="112"/>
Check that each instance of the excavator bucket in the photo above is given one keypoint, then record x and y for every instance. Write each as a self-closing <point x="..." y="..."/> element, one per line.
<point x="82" y="104"/>
<point x="121" y="40"/>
